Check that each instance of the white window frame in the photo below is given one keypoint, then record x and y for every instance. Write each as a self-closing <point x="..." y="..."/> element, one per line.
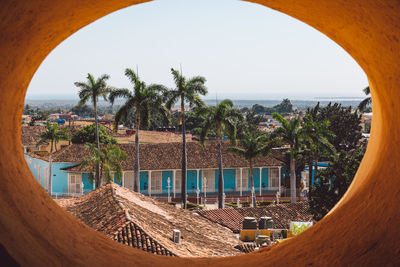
<point x="245" y="179"/>
<point x="156" y="182"/>
<point x="72" y="185"/>
<point x="128" y="180"/>
<point x="271" y="178"/>
<point x="178" y="181"/>
<point x="210" y="175"/>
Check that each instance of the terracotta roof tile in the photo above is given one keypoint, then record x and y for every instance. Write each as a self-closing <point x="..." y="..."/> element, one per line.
<point x="142" y="222"/>
<point x="101" y="211"/>
<point x="167" y="156"/>
<point x="282" y="214"/>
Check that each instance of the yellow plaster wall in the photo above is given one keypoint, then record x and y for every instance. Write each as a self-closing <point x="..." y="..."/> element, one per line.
<point x="362" y="230"/>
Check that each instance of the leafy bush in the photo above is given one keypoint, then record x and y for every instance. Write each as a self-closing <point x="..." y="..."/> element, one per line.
<point x="245" y="204"/>
<point x="231" y="204"/>
<point x="193" y="206"/>
<point x="88" y="135"/>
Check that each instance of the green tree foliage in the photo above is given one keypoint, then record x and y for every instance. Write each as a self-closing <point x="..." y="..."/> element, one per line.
<point x="252" y="145"/>
<point x="333" y="182"/>
<point x="189" y="91"/>
<point x="143" y="100"/>
<point x="52" y="135"/>
<point x="88" y="135"/>
<point x="28" y="110"/>
<point x="108" y="157"/>
<point x="223" y="117"/>
<point x="316" y="141"/>
<point x="364" y="105"/>
<point x="92" y="90"/>
<point x="343" y="123"/>
<point x="285" y="107"/>
<point x="83" y="110"/>
<point x="293" y="135"/>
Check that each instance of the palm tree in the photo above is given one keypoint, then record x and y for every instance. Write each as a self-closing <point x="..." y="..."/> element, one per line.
<point x="292" y="134"/>
<point x="316" y="139"/>
<point x="91" y="90"/>
<point x="108" y="157"/>
<point x="187" y="90"/>
<point x="252" y="145"/>
<point x="142" y="100"/>
<point x="224" y="117"/>
<point x="52" y="135"/>
<point x="367" y="101"/>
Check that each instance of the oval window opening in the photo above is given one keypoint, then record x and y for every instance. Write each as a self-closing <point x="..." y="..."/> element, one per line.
<point x="265" y="99"/>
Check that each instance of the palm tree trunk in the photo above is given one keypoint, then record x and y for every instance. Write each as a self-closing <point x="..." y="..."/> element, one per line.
<point x="184" y="156"/>
<point x="98" y="173"/>
<point x="315" y="169"/>
<point x="136" y="186"/>
<point x="50" y="163"/>
<point x="221" y="202"/>
<point x="292" y="179"/>
<point x="310" y="174"/>
<point x="253" y="193"/>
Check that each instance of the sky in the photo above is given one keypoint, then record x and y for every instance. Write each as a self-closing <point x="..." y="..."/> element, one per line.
<point x="245" y="51"/>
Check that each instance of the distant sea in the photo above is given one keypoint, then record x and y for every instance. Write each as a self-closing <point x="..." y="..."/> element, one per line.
<point x="300" y="104"/>
<point x="65" y="101"/>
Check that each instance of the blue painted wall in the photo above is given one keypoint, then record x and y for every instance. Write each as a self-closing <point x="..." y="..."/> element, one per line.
<point x="256" y="177"/>
<point x="88" y="185"/>
<point x="229" y="180"/>
<point x="116" y="180"/>
<point x="265" y="176"/>
<point x="144" y="180"/>
<point x="165" y="176"/>
<point x="59" y="178"/>
<point x="191" y="185"/>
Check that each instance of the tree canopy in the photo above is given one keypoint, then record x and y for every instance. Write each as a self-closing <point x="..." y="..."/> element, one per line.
<point x="88" y="135"/>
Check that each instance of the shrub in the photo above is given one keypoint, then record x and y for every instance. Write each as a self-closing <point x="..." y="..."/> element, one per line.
<point x="193" y="206"/>
<point x="88" y="135"/>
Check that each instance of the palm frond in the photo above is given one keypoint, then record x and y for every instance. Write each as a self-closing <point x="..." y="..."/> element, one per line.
<point x="119" y="93"/>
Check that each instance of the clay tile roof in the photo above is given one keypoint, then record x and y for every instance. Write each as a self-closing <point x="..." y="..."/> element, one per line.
<point x="167" y="156"/>
<point x="142" y="222"/>
<point x="102" y="212"/>
<point x="282" y="214"/>
<point x="29" y="134"/>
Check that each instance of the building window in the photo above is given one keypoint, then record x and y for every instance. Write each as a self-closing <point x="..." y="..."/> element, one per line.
<point x="273" y="177"/>
<point x="128" y="180"/>
<point x="245" y="179"/>
<point x="156" y="182"/>
<point x="178" y="181"/>
<point x="75" y="183"/>
<point x="210" y="175"/>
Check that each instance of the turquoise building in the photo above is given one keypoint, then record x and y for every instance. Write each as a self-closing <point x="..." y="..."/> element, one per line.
<point x="160" y="173"/>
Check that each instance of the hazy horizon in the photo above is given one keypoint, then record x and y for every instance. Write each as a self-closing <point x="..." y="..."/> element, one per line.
<point x="245" y="51"/>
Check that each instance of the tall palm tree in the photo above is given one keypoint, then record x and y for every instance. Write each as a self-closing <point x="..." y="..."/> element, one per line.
<point x="143" y="100"/>
<point x="224" y="117"/>
<point x="92" y="90"/>
<point x="252" y="145"/>
<point x="187" y="90"/>
<point x="316" y="140"/>
<point x="52" y="135"/>
<point x="367" y="101"/>
<point x="108" y="157"/>
<point x="291" y="134"/>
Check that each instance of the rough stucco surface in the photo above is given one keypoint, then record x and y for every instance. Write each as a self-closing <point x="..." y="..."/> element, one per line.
<point x="362" y="230"/>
